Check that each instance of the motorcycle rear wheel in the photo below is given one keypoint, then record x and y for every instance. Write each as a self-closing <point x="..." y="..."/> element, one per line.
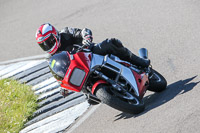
<point x="108" y="98"/>
<point x="157" y="82"/>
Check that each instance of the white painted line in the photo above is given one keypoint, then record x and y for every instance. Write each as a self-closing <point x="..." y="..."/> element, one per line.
<point x="3" y="66"/>
<point x="59" y="121"/>
<point x="47" y="88"/>
<point x="43" y="56"/>
<point x="42" y="96"/>
<point x="13" y="67"/>
<point x="23" y="68"/>
<point x="44" y="83"/>
<point x="83" y="118"/>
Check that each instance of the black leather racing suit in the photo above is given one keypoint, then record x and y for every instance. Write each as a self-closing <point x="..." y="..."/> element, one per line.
<point x="70" y="36"/>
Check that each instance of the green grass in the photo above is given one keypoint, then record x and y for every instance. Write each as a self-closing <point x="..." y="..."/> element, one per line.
<point x="17" y="104"/>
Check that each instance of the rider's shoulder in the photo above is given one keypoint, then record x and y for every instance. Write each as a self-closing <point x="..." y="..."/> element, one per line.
<point x="68" y="30"/>
<point x="64" y="30"/>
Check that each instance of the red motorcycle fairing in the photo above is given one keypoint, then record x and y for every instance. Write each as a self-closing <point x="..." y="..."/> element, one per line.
<point x="142" y="82"/>
<point x="96" y="84"/>
<point x="77" y="72"/>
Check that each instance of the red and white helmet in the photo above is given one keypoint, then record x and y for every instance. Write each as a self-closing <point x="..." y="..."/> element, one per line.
<point x="48" y="38"/>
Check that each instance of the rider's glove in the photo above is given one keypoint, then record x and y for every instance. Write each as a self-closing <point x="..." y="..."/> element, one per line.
<point x="87" y="40"/>
<point x="87" y="36"/>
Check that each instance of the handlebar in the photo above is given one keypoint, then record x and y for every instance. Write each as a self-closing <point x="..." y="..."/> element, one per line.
<point x="80" y="48"/>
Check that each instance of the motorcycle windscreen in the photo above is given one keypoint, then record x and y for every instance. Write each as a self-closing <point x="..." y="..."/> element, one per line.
<point x="58" y="64"/>
<point x="143" y="53"/>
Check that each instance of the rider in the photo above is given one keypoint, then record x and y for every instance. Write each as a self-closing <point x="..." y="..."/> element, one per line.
<point x="52" y="41"/>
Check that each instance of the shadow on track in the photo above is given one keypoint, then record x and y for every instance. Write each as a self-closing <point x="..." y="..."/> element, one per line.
<point x="154" y="100"/>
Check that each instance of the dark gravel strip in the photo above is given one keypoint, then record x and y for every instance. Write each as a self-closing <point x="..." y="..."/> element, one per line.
<point x="40" y="79"/>
<point x="55" y="104"/>
<point x="30" y="70"/>
<point x="34" y="75"/>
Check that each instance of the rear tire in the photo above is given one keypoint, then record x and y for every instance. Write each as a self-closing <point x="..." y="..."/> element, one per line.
<point x="157" y="82"/>
<point x="108" y="98"/>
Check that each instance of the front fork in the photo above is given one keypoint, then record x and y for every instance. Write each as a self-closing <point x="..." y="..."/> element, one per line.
<point x="91" y="96"/>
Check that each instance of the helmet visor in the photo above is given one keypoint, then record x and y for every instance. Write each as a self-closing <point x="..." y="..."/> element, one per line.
<point x="49" y="43"/>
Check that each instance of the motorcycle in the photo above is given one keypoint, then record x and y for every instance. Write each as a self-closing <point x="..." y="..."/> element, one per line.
<point x="106" y="79"/>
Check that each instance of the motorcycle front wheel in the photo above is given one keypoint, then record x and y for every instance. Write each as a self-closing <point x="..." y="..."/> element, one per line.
<point x="157" y="82"/>
<point x="134" y="106"/>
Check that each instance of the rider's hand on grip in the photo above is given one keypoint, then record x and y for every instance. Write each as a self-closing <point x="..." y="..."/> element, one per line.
<point x="87" y="40"/>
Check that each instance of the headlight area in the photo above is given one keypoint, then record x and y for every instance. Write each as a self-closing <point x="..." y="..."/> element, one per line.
<point x="77" y="77"/>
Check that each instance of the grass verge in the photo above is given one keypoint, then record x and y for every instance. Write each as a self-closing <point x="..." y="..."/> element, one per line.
<point x="17" y="104"/>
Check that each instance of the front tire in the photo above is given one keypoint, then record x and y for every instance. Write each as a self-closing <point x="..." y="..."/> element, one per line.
<point x="106" y="96"/>
<point x="157" y="82"/>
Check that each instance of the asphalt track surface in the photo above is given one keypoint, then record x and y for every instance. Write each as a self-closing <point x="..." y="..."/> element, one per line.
<point x="169" y="29"/>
